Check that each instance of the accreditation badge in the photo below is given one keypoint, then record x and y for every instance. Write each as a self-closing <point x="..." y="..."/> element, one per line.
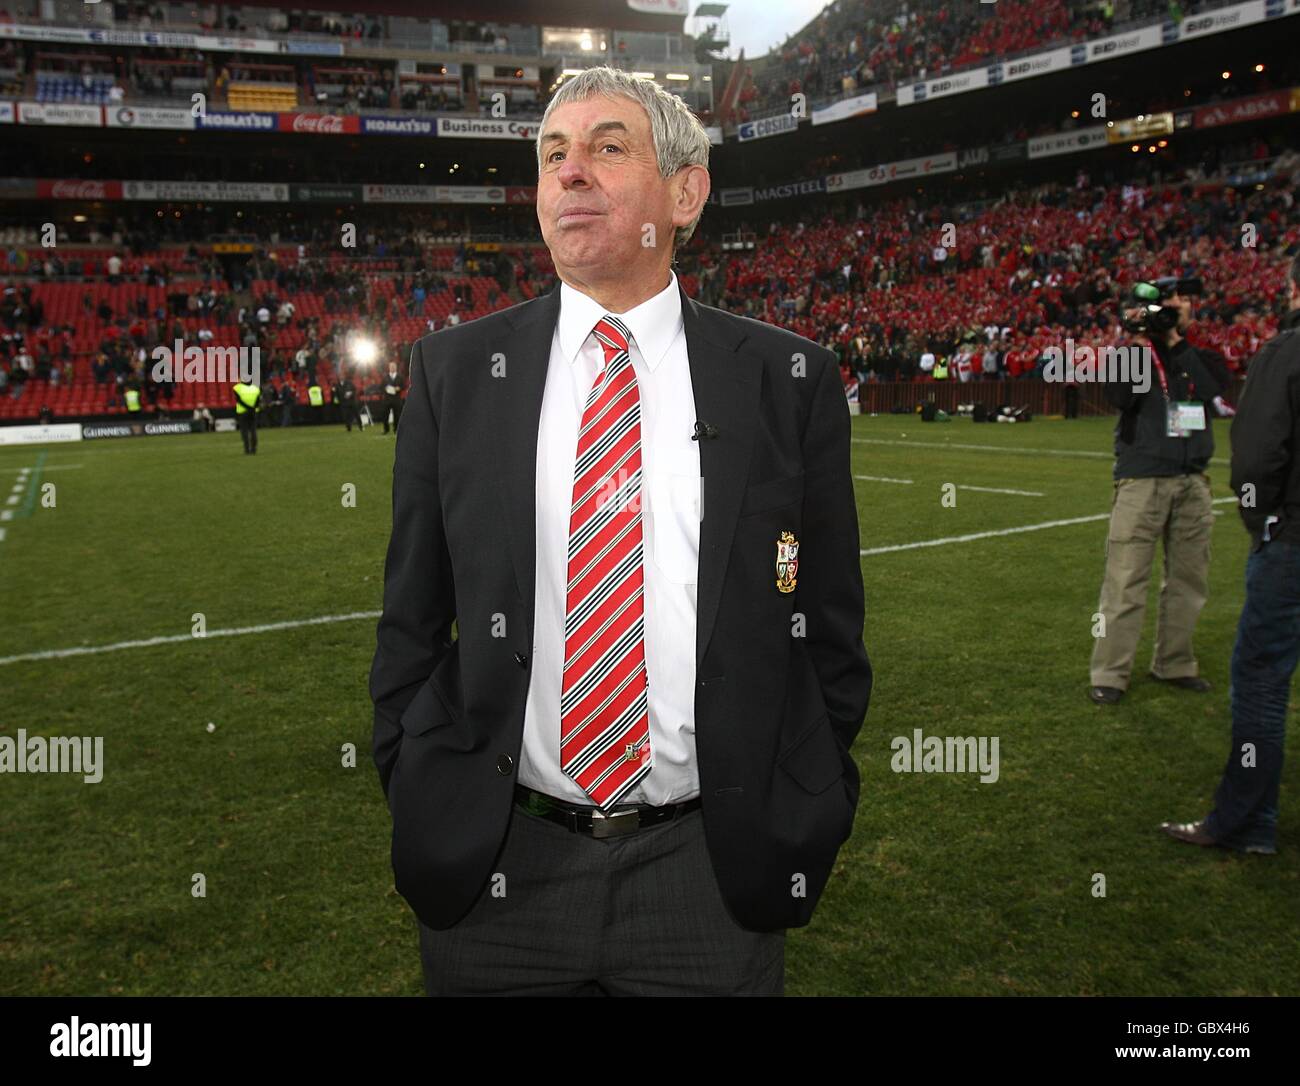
<point x="787" y="562"/>
<point x="1191" y="415"/>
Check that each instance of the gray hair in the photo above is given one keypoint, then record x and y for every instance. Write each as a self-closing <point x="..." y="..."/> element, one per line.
<point x="679" y="137"/>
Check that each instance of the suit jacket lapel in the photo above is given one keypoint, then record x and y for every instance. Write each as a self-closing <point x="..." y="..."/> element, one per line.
<point x="726" y="382"/>
<point x="526" y="349"/>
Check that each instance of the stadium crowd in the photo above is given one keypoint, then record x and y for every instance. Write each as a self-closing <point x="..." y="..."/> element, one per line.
<point x="893" y="290"/>
<point x="978" y="288"/>
<point x="856" y="44"/>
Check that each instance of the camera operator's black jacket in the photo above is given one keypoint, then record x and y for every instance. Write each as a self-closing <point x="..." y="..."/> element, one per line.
<point x="1142" y="446"/>
<point x="1266" y="434"/>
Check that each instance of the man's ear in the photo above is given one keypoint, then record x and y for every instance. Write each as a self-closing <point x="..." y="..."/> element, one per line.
<point x="691" y="187"/>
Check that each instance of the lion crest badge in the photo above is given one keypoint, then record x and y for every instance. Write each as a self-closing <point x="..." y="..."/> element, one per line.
<point x="787" y="561"/>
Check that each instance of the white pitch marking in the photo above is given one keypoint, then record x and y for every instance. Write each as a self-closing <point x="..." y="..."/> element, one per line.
<point x="883" y="479"/>
<point x="998" y="532"/>
<point x="997" y="448"/>
<point x="12" y="499"/>
<point x="1000" y="490"/>
<point x="171" y="639"/>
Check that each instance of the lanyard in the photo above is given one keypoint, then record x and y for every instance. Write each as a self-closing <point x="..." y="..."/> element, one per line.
<point x="1160" y="372"/>
<point x="1164" y="382"/>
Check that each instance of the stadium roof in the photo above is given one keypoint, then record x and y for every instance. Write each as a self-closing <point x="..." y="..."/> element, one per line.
<point x="614" y="14"/>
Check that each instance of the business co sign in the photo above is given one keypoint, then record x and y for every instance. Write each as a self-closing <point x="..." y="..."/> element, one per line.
<point x="489" y="128"/>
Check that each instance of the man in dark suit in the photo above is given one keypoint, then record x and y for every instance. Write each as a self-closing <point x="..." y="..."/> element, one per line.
<point x="393" y="383"/>
<point x="627" y="770"/>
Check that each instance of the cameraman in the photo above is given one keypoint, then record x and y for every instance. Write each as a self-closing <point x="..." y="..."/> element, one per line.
<point x="1163" y="444"/>
<point x="1266" y="479"/>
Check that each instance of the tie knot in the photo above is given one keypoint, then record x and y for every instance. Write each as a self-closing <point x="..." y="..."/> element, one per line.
<point x="612" y="333"/>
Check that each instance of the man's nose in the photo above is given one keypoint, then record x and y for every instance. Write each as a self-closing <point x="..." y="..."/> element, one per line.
<point x="574" y="170"/>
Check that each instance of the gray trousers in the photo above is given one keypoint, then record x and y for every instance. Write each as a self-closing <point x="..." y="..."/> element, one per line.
<point x="568" y="914"/>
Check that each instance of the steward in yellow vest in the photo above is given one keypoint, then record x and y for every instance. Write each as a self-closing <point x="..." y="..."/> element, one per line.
<point x="248" y="398"/>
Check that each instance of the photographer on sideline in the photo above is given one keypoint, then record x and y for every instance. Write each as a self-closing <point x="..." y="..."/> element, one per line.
<point x="1163" y="444"/>
<point x="1266" y="480"/>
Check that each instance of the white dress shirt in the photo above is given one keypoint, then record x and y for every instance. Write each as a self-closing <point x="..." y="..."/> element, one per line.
<point x="670" y="526"/>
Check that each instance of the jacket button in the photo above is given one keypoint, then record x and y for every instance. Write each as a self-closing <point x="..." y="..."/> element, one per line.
<point x="505" y="764"/>
<point x="521" y="659"/>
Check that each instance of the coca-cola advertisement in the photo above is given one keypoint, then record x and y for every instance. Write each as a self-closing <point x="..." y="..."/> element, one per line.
<point x="320" y="124"/>
<point x="78" y="190"/>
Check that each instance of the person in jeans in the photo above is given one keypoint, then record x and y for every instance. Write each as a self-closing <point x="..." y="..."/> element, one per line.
<point x="1266" y="479"/>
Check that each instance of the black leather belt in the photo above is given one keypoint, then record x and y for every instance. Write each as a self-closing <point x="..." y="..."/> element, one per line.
<point x="623" y="818"/>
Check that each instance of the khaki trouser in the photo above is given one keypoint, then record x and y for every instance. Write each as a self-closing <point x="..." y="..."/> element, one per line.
<point x="1176" y="509"/>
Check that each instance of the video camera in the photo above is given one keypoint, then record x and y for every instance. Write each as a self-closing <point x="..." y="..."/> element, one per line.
<point x="1149" y="314"/>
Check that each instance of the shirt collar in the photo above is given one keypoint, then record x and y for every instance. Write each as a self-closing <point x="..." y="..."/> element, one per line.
<point x="654" y="323"/>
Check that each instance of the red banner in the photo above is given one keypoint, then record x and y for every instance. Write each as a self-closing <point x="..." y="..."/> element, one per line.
<point x="521" y="194"/>
<point x="1254" y="108"/>
<point x="78" y="190"/>
<point x="321" y="124"/>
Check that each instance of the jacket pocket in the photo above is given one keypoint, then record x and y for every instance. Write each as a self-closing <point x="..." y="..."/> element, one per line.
<point x="773" y="494"/>
<point x="429" y="709"/>
<point x="813" y="760"/>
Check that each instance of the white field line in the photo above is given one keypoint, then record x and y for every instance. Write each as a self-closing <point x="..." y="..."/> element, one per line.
<point x="172" y="639"/>
<point x="998" y="532"/>
<point x="1001" y="490"/>
<point x="883" y="479"/>
<point x="941" y="445"/>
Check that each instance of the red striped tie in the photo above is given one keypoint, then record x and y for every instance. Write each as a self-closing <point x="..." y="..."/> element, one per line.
<point x="604" y="719"/>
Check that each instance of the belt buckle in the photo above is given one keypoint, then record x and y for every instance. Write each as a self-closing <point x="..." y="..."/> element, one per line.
<point x="616" y="824"/>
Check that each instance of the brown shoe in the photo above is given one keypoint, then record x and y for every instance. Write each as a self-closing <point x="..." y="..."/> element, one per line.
<point x="1190" y="833"/>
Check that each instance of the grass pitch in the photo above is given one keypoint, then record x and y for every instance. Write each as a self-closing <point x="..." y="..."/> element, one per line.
<point x="948" y="886"/>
